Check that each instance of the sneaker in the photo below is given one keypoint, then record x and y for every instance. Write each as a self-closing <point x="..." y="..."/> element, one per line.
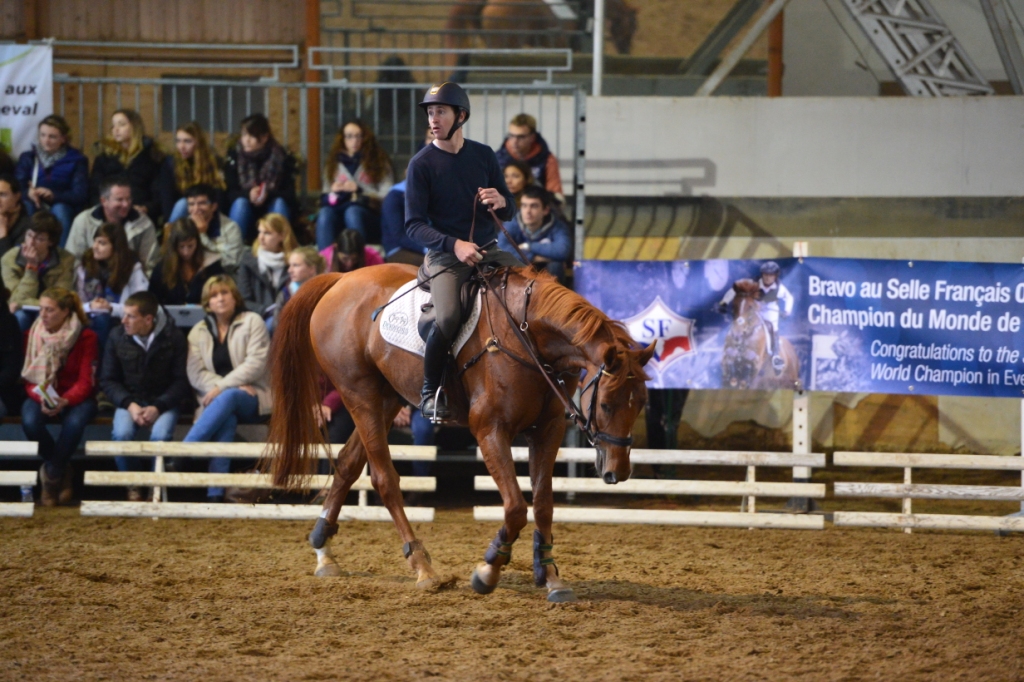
<point x="135" y="494"/>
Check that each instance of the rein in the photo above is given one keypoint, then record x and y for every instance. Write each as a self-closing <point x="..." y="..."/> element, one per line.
<point x="587" y="424"/>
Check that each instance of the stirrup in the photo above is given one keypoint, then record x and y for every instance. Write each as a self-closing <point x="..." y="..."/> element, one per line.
<point x="438" y="414"/>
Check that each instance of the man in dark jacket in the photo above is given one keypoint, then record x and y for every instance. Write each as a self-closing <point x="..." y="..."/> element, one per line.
<point x="144" y="375"/>
<point x="539" y="233"/>
<point x="525" y="144"/>
<point x="14" y="219"/>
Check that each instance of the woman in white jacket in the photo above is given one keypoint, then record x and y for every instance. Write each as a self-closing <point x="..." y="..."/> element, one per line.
<point x="109" y="273"/>
<point x="227" y="366"/>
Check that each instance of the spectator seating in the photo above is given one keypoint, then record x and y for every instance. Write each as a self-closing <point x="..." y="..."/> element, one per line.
<point x="161" y="480"/>
<point x="749" y="490"/>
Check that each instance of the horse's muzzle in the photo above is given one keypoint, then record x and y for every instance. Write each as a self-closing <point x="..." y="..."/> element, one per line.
<point x="610" y="478"/>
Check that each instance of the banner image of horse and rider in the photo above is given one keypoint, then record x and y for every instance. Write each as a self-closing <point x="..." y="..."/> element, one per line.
<point x="826" y="324"/>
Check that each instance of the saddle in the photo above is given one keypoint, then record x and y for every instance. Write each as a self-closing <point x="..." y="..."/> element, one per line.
<point x="467" y="297"/>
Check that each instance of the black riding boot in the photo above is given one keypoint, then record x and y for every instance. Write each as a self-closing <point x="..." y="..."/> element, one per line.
<point x="435" y="356"/>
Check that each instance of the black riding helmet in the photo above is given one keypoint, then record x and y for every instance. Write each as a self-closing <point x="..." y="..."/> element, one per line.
<point x="454" y="96"/>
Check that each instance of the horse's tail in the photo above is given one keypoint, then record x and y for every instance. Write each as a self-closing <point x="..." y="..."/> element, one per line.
<point x="295" y="438"/>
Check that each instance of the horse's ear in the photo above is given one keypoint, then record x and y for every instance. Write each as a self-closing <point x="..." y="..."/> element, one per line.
<point x="647" y="353"/>
<point x="611" y="358"/>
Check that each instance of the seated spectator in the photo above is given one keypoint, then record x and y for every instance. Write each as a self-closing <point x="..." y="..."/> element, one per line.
<point x="517" y="177"/>
<point x="192" y="163"/>
<point x="304" y="263"/>
<point x="144" y="377"/>
<point x="260" y="176"/>
<point x="37" y="264"/>
<point x="14" y="218"/>
<point x="186" y="265"/>
<point x="349" y="253"/>
<point x="60" y="360"/>
<point x="398" y="246"/>
<point x="227" y="367"/>
<point x="217" y="232"/>
<point x="55" y="175"/>
<point x="542" y="237"/>
<point x="263" y="271"/>
<point x="131" y="153"/>
<point x="524" y="143"/>
<point x="357" y="177"/>
<point x="116" y="207"/>
<point x="12" y="392"/>
<point x="110" y="272"/>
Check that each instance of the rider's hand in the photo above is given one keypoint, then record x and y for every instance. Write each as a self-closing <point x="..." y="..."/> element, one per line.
<point x="468" y="252"/>
<point x="491" y="197"/>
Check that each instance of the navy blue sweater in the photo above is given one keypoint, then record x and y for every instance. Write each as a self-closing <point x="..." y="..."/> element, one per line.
<point x="440" y="196"/>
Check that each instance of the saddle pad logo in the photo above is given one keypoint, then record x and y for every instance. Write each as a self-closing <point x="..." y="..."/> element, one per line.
<point x="673" y="333"/>
<point x="397" y="322"/>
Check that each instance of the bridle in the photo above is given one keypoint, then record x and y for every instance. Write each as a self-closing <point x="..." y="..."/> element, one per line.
<point x="588" y="423"/>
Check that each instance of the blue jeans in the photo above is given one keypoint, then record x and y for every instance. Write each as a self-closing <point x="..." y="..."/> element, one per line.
<point x="25" y="318"/>
<point x="73" y="420"/>
<point x="422" y="434"/>
<point x="217" y="424"/>
<point x="179" y="211"/>
<point x="362" y="219"/>
<point x="125" y="429"/>
<point x="245" y="214"/>
<point x="65" y="213"/>
<point x="102" y="323"/>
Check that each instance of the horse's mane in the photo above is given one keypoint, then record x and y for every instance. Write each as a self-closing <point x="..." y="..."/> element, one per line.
<point x="572" y="312"/>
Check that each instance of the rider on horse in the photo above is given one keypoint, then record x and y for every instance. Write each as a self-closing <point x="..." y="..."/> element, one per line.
<point x="772" y="291"/>
<point x="448" y="180"/>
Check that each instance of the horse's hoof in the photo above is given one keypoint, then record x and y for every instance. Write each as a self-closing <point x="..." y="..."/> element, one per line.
<point x="563" y="595"/>
<point x="427" y="584"/>
<point x="328" y="571"/>
<point x="479" y="586"/>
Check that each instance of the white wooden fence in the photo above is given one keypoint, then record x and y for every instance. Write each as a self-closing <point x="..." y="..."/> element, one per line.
<point x="909" y="491"/>
<point x="159" y="507"/>
<point x="749" y="489"/>
<point x="18" y="448"/>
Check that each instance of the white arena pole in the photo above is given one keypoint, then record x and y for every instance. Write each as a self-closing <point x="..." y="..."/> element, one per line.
<point x="598" y="47"/>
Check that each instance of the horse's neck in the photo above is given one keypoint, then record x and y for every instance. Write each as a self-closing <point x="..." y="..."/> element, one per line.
<point x="558" y="347"/>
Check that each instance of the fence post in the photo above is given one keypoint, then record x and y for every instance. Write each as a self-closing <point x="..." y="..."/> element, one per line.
<point x="580" y="172"/>
<point x="801" y="430"/>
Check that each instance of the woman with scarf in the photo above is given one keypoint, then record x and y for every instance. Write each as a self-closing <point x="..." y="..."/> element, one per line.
<point x="179" y="277"/>
<point x="264" y="271"/>
<point x="260" y="176"/>
<point x="227" y="366"/>
<point x="192" y="163"/>
<point x="60" y="360"/>
<point x="129" y="151"/>
<point x="110" y="272"/>
<point x="54" y="175"/>
<point x="357" y="177"/>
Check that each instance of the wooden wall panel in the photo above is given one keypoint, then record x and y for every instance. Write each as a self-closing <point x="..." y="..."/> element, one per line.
<point x="12" y="19"/>
<point x="162" y="21"/>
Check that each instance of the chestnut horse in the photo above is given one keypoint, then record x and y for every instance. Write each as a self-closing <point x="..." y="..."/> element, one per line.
<point x="746" y="362"/>
<point x="328" y="325"/>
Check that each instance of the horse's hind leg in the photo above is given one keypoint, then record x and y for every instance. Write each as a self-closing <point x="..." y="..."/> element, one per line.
<point x="495" y="446"/>
<point x="373" y="425"/>
<point x="349" y="466"/>
<point x="543" y="451"/>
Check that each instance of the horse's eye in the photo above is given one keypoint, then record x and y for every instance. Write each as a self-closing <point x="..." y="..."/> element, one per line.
<point x="606" y="407"/>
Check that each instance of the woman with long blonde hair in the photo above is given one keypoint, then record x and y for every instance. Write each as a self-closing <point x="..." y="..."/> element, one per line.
<point x="60" y="358"/>
<point x="193" y="162"/>
<point x="129" y="151"/>
<point x="263" y="272"/>
<point x="357" y="176"/>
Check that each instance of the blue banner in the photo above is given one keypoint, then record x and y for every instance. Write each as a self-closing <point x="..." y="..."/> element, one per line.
<point x="827" y="324"/>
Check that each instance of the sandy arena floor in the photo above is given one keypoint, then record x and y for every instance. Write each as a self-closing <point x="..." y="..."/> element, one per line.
<point x="131" y="599"/>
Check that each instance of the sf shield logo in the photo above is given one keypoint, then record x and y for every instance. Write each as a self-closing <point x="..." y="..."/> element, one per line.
<point x="673" y="333"/>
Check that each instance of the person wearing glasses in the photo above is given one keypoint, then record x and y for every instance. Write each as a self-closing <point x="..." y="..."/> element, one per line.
<point x="524" y="143"/>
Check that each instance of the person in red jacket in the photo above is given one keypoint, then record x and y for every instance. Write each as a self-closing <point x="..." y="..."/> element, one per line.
<point x="60" y="361"/>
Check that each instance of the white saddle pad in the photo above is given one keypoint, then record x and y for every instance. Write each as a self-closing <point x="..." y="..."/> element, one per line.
<point x="398" y="321"/>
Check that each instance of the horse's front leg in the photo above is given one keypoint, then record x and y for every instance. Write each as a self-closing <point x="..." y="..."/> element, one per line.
<point x="349" y="467"/>
<point x="497" y="453"/>
<point x="544" y="446"/>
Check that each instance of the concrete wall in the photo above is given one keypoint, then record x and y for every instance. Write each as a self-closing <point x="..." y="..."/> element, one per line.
<point x="805" y="147"/>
